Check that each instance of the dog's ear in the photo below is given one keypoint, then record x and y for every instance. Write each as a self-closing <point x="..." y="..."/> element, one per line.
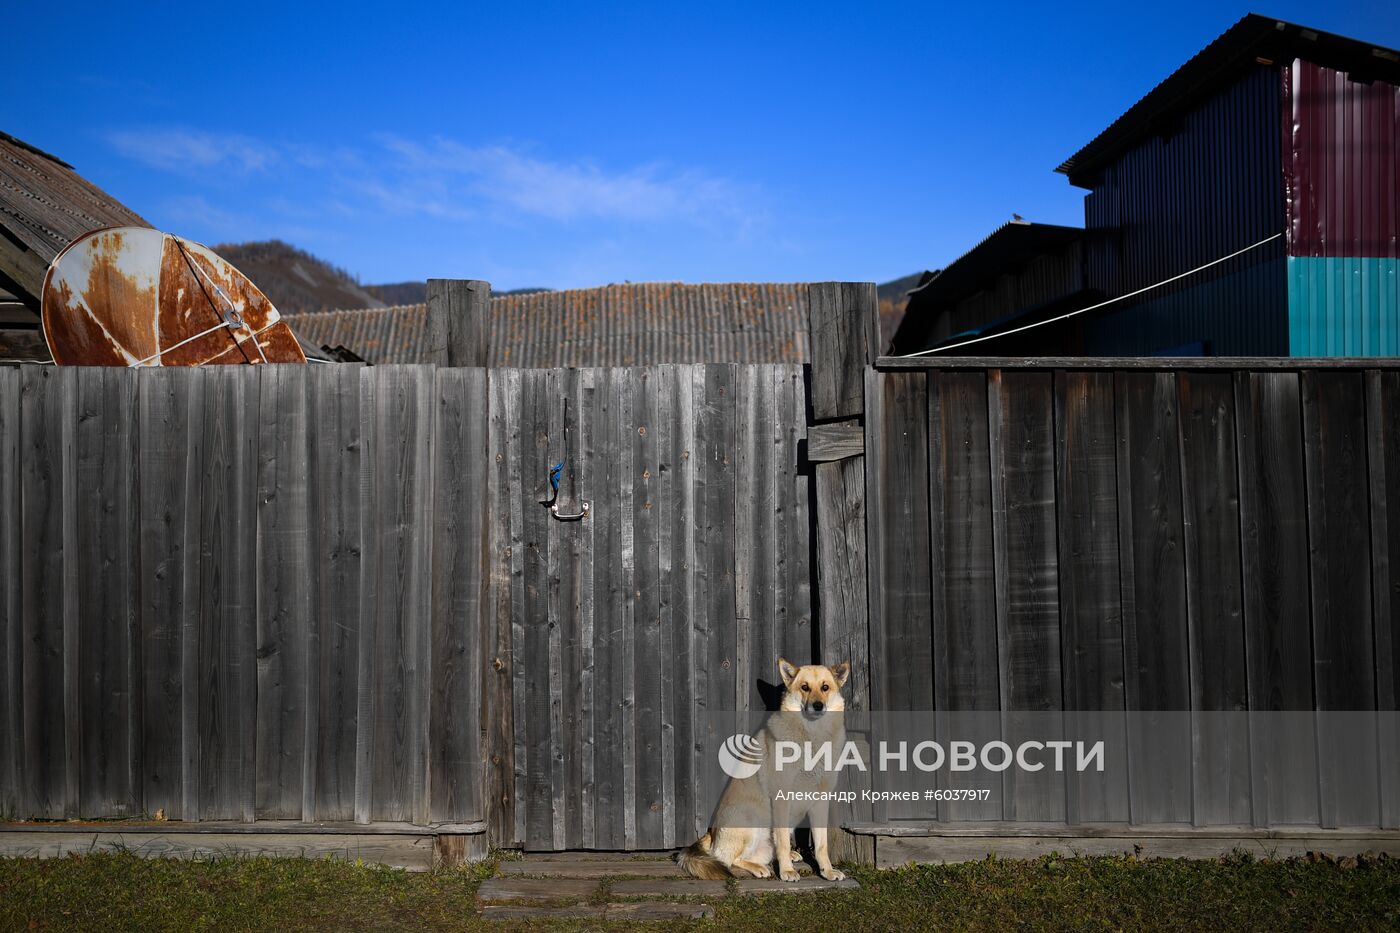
<point x="841" y="672"/>
<point x="788" y="671"/>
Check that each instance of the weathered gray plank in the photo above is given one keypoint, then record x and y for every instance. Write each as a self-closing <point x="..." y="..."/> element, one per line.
<point x="11" y="622"/>
<point x="582" y="745"/>
<point x="1091" y="627"/>
<point x="46" y="426"/>
<point x="1278" y="635"/>
<point x="560" y="609"/>
<point x="966" y="675"/>
<point x="844" y="336"/>
<point x="603" y="452"/>
<point x="459" y="322"/>
<point x="1021" y="446"/>
<point x="627" y="414"/>
<point x="459" y="512"/>
<point x="1344" y="672"/>
<point x="401" y="519"/>
<point x="337" y="452"/>
<point x="717" y="626"/>
<point x="1383" y="450"/>
<point x="795" y="495"/>
<point x="1214" y="598"/>
<point x="106" y="577"/>
<point x="535" y="721"/>
<point x="368" y="660"/>
<point x="826" y="442"/>
<point x="170" y="410"/>
<point x="897" y="471"/>
<point x="1153" y="578"/>
<point x="225" y="657"/>
<point x="679" y="578"/>
<point x="650" y="434"/>
<point x="503" y="812"/>
<point x="283" y="621"/>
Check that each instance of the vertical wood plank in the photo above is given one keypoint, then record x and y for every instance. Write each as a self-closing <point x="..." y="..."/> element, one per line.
<point x="283" y="592"/>
<point x="584" y="558"/>
<point x="535" y="719"/>
<point x="1091" y="637"/>
<point x="373" y="382"/>
<point x="844" y="333"/>
<point x="1214" y="599"/>
<point x="966" y="673"/>
<point x="799" y="633"/>
<point x="504" y="811"/>
<point x="11" y="622"/>
<point x="170" y="410"/>
<point x="225" y="659"/>
<point x="626" y="388"/>
<point x="648" y="492"/>
<point x="1383" y="450"/>
<point x="716" y="418"/>
<point x="45" y="444"/>
<point x="106" y="579"/>
<point x="897" y="475"/>
<point x="561" y="611"/>
<point x="1334" y="447"/>
<point x="402" y="624"/>
<point x="681" y="583"/>
<point x="460" y="466"/>
<point x="337" y="456"/>
<point x="1022" y="451"/>
<point x="1278" y="634"/>
<point x="1153" y="576"/>
<point x="606" y="435"/>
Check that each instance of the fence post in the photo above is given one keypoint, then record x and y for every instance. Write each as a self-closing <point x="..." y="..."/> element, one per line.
<point x="459" y="322"/>
<point x="843" y="324"/>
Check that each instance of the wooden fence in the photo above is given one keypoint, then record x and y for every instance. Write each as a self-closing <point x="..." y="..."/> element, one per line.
<point x="242" y="593"/>
<point x="1151" y="537"/>
<point x="334" y="594"/>
<point x="340" y="593"/>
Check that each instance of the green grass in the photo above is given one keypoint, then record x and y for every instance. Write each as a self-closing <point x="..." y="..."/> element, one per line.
<point x="124" y="892"/>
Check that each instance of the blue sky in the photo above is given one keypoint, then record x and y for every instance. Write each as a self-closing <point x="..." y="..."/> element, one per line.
<point x="576" y="144"/>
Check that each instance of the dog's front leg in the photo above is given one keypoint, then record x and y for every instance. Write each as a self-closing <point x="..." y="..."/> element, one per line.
<point x="819" y="843"/>
<point x="782" y="840"/>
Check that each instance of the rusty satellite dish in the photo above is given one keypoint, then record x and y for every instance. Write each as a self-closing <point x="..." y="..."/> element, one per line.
<point x="133" y="296"/>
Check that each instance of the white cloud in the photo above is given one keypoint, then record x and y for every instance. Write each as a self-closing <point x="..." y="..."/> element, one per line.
<point x="566" y="191"/>
<point x="447" y="180"/>
<point x="183" y="150"/>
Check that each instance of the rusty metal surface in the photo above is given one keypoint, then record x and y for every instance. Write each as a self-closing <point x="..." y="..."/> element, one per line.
<point x="634" y="324"/>
<point x="127" y="296"/>
<point x="1341" y="164"/>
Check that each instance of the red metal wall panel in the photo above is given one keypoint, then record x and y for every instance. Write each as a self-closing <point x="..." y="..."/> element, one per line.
<point x="1341" y="164"/>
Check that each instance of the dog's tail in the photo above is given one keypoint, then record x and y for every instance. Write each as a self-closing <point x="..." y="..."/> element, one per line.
<point x="697" y="862"/>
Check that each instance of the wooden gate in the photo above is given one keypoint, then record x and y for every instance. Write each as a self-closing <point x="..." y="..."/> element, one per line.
<point x="675" y="594"/>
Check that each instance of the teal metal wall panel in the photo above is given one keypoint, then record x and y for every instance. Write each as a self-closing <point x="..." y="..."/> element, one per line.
<point x="1343" y="306"/>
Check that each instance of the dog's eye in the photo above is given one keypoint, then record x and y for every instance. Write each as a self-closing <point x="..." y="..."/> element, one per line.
<point x="804" y="688"/>
<point x="826" y="687"/>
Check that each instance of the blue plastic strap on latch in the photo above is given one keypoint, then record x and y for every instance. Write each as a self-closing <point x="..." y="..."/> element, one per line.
<point x="554" y="475"/>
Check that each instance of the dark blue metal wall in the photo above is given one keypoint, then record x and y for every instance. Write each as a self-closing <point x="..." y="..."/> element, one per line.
<point x="1202" y="188"/>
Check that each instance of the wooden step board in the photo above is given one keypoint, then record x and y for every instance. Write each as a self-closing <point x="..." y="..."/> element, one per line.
<point x="600" y="887"/>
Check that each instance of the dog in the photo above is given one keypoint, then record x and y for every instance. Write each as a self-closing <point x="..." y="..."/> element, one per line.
<point x="810" y="713"/>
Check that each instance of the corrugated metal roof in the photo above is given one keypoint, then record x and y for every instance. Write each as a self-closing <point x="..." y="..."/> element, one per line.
<point x="1252" y="41"/>
<point x="612" y="325"/>
<point x="44" y="206"/>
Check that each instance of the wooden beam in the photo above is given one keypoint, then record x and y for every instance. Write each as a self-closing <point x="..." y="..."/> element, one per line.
<point x="827" y="442"/>
<point x="459" y="322"/>
<point x="843" y="324"/>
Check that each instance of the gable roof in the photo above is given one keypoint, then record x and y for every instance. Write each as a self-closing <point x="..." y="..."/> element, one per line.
<point x="44" y="206"/>
<point x="634" y="324"/>
<point x="1253" y="41"/>
<point x="1005" y="249"/>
